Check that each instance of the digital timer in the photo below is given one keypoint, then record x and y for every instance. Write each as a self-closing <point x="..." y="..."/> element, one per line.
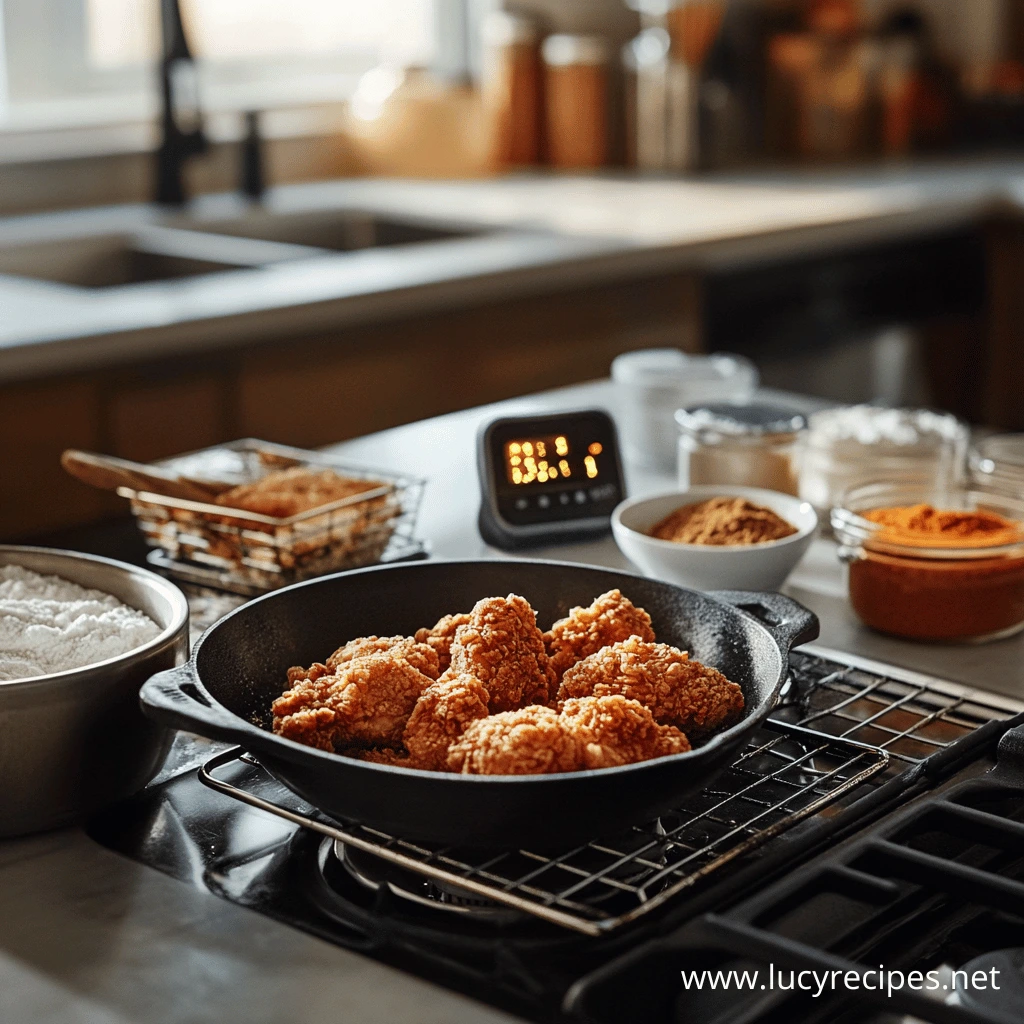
<point x="548" y="478"/>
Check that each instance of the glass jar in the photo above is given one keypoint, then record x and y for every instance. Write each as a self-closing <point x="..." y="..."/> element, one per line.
<point x="997" y="464"/>
<point x="652" y="383"/>
<point x="852" y="444"/>
<point x="956" y="586"/>
<point x="754" y="445"/>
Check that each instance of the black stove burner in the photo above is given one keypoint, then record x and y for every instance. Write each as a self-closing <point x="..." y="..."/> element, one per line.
<point x="373" y="872"/>
<point x="936" y="886"/>
<point x="943" y="887"/>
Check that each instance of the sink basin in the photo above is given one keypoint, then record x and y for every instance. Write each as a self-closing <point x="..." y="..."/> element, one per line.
<point x="106" y="261"/>
<point x="338" y="230"/>
<point x="147" y="255"/>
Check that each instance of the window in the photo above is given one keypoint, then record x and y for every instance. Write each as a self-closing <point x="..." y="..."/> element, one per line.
<point x="73" y="62"/>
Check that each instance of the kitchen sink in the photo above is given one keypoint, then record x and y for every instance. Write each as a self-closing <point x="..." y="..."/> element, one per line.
<point x="338" y="230"/>
<point x="148" y="255"/>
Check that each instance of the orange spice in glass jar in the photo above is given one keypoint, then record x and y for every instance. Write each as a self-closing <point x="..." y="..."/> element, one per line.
<point x="943" y="566"/>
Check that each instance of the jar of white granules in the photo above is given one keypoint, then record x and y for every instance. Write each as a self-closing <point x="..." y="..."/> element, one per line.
<point x="846" y="446"/>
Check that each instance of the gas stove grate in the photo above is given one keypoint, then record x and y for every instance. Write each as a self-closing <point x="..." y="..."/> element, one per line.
<point x="813" y="753"/>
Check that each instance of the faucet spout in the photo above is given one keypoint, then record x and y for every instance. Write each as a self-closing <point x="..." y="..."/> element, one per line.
<point x="181" y="120"/>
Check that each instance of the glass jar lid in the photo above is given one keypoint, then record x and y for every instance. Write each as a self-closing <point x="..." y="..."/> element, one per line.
<point x="724" y="422"/>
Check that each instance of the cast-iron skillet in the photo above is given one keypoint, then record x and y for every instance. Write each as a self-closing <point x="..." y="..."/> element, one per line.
<point x="239" y="665"/>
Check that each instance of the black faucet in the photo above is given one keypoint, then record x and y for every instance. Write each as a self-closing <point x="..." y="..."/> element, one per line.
<point x="182" y="120"/>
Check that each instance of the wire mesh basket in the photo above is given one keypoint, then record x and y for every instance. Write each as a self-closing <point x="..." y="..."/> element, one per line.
<point x="251" y="552"/>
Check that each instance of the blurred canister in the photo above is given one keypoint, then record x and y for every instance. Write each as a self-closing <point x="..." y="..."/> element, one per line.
<point x="653" y="383"/>
<point x="511" y="89"/>
<point x="756" y="445"/>
<point x="576" y="100"/>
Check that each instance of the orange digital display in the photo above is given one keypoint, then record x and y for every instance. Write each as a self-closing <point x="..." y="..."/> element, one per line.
<point x="549" y="460"/>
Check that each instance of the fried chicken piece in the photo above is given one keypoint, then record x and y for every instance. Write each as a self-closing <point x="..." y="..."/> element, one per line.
<point x="441" y="716"/>
<point x="419" y="655"/>
<point x="531" y="741"/>
<point x="611" y="618"/>
<point x="440" y="637"/>
<point x="503" y="648"/>
<point x="288" y="492"/>
<point x="297" y="673"/>
<point x="615" y="731"/>
<point x="380" y="755"/>
<point x="693" y="697"/>
<point x="367" y="701"/>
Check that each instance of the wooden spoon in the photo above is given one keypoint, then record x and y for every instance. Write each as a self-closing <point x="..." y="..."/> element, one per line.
<point x="108" y="473"/>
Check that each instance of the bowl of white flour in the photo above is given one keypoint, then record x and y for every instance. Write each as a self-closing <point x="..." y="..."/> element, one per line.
<point x="79" y="635"/>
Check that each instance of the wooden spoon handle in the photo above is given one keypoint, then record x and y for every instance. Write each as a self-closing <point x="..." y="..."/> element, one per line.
<point x="108" y="473"/>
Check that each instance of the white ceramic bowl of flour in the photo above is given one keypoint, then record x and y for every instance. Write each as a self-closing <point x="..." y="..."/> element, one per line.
<point x="74" y="738"/>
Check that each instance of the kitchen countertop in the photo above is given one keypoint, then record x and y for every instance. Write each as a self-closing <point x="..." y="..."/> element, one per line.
<point x="88" y="937"/>
<point x="543" y="233"/>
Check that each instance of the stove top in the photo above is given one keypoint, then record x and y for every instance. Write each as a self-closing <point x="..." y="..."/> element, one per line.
<point x="600" y="932"/>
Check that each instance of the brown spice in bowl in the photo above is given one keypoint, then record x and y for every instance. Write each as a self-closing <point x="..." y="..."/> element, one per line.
<point x="723" y="521"/>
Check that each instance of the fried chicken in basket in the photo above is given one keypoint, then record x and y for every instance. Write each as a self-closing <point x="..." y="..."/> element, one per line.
<point x="693" y="697"/>
<point x="288" y="492"/>
<point x="531" y="741"/>
<point x="440" y="637"/>
<point x="442" y="714"/>
<point x="615" y="731"/>
<point x="367" y="702"/>
<point x="503" y="648"/>
<point x="609" y="619"/>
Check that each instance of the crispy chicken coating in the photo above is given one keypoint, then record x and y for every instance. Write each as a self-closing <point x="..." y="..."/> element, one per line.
<point x="441" y="716"/>
<point x="503" y="648"/>
<point x="440" y="637"/>
<point x="419" y="655"/>
<point x="611" y="618"/>
<point x="380" y="755"/>
<point x="680" y="692"/>
<point x="367" y="701"/>
<point x="287" y="492"/>
<point x="531" y="741"/>
<point x="615" y="731"/>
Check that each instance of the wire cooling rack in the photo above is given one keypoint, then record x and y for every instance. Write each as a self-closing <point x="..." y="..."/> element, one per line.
<point x="845" y="724"/>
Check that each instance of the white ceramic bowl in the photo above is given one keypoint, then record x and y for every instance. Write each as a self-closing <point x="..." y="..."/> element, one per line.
<point x="713" y="567"/>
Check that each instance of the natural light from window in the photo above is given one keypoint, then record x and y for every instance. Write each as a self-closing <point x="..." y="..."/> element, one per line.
<point x="86" y="61"/>
<point x="124" y="32"/>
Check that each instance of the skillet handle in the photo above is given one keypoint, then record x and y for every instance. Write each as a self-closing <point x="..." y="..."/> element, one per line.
<point x="177" y="699"/>
<point x="788" y="621"/>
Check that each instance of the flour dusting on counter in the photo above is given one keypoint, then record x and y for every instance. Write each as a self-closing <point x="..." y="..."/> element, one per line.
<point x="48" y="624"/>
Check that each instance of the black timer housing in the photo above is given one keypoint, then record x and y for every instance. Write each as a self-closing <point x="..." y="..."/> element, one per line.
<point x="548" y="479"/>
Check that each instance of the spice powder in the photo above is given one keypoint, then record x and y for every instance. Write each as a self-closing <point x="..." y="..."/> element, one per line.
<point x="931" y="597"/>
<point x="723" y="521"/>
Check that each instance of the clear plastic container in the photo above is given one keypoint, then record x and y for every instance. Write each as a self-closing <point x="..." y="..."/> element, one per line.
<point x="853" y="444"/>
<point x="653" y="383"/>
<point x="997" y="464"/>
<point x="952" y="588"/>
<point x="755" y="445"/>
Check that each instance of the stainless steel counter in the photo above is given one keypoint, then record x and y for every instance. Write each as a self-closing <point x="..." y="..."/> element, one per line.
<point x="540" y="233"/>
<point x="87" y="937"/>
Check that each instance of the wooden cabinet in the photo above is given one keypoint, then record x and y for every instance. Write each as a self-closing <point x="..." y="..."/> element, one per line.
<point x="315" y="390"/>
<point x="37" y="422"/>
